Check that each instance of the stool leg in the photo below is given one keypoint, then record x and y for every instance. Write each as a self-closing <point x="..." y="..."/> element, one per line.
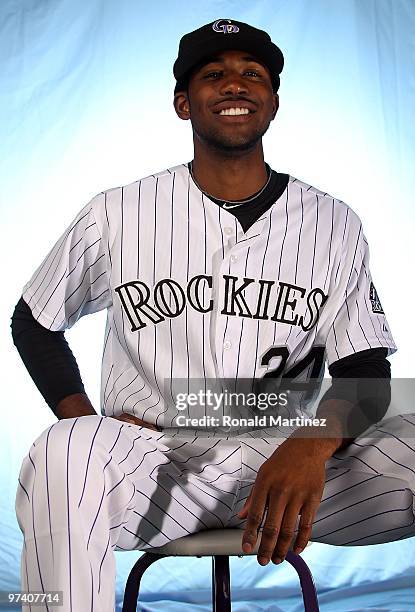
<point x="221" y="584"/>
<point x="132" y="586"/>
<point x="306" y="581"/>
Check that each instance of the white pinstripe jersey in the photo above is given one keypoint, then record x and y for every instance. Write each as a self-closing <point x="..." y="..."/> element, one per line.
<point x="189" y="295"/>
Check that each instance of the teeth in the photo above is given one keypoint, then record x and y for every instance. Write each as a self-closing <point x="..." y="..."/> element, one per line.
<point x="234" y="111"/>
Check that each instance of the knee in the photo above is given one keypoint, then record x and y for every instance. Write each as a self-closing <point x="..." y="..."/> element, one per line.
<point x="397" y="504"/>
<point x="406" y="505"/>
<point x="65" y="441"/>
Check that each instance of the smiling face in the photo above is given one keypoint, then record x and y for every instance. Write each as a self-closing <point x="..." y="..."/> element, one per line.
<point x="229" y="101"/>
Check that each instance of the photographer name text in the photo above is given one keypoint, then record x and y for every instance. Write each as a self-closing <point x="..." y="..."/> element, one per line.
<point x="255" y="421"/>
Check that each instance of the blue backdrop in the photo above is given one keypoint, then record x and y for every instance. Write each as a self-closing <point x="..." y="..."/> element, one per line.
<point x="86" y="94"/>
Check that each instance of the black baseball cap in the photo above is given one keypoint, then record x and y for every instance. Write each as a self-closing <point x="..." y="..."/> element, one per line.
<point x="224" y="35"/>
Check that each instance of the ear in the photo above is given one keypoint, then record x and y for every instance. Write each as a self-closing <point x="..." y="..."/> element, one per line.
<point x="181" y="105"/>
<point x="276" y="105"/>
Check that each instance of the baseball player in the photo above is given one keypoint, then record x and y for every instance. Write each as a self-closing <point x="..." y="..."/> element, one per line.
<point x="221" y="268"/>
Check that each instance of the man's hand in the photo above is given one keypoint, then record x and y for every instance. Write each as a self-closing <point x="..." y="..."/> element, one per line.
<point x="288" y="484"/>
<point x="130" y="418"/>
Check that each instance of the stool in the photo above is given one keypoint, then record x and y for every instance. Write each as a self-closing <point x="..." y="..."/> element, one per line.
<point x="218" y="544"/>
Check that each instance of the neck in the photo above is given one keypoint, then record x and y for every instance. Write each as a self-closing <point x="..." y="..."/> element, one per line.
<point x="230" y="178"/>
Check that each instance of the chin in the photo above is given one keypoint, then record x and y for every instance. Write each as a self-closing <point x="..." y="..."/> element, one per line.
<point x="237" y="145"/>
<point x="228" y="143"/>
<point x="234" y="142"/>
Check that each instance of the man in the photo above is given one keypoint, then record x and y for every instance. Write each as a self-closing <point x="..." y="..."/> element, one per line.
<point x="218" y="269"/>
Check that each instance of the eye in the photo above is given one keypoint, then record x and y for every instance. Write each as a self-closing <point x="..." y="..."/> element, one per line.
<point x="253" y="72"/>
<point x="212" y="74"/>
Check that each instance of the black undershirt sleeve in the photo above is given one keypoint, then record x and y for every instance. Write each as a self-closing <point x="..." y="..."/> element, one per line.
<point x="46" y="355"/>
<point x="374" y="359"/>
<point x="364" y="379"/>
<point x="54" y="370"/>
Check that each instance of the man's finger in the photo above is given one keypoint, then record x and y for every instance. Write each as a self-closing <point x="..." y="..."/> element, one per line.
<point x="245" y="508"/>
<point x="272" y="527"/>
<point x="308" y="513"/>
<point x="244" y="511"/>
<point x="129" y="418"/>
<point x="286" y="531"/>
<point x="254" y="519"/>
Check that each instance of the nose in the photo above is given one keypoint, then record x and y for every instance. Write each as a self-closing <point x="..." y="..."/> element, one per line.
<point x="233" y="85"/>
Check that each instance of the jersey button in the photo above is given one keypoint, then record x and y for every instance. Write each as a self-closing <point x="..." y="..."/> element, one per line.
<point x="228" y="231"/>
<point x="234" y="258"/>
<point x="227" y="345"/>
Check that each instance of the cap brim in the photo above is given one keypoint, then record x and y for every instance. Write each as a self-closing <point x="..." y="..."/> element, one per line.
<point x="270" y="55"/>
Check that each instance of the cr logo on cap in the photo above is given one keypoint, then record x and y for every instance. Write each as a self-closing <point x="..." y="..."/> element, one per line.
<point x="226" y="28"/>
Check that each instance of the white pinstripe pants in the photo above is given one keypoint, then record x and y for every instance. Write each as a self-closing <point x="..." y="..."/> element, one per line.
<point x="94" y="484"/>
